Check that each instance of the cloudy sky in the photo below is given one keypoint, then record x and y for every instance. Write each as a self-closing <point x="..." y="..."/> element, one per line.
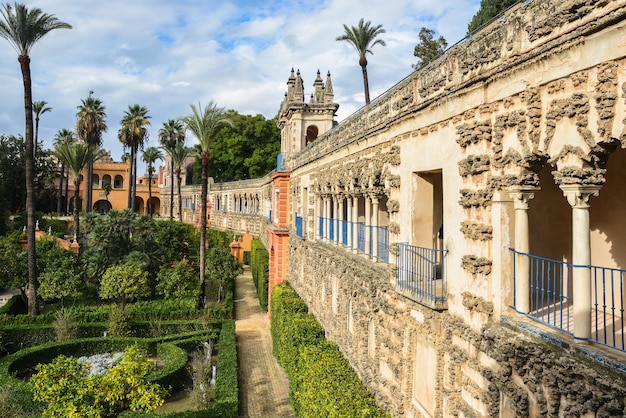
<point x="166" y="54"/>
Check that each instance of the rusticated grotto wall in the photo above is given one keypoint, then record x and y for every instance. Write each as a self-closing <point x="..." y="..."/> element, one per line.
<point x="399" y="347"/>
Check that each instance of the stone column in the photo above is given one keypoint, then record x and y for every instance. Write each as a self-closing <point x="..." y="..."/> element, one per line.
<point x="336" y="217"/>
<point x="368" y="223"/>
<point x="521" y="196"/>
<point x="327" y="219"/>
<point x="349" y="220"/>
<point x="320" y="215"/>
<point x="375" y="228"/>
<point x="578" y="197"/>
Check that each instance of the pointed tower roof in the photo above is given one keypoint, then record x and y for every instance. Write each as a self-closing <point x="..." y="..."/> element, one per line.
<point x="299" y="89"/>
<point x="318" y="92"/>
<point x="329" y="96"/>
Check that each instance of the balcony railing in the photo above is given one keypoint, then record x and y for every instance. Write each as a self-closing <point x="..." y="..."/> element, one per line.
<point x="420" y="275"/>
<point x="383" y="243"/>
<point x="343" y="227"/>
<point x="360" y="228"/>
<point x="552" y="301"/>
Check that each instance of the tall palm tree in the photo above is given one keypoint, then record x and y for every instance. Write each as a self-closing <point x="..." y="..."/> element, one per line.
<point x="178" y="155"/>
<point x="90" y="125"/>
<point x="76" y="156"/>
<point x="22" y="28"/>
<point x="172" y="133"/>
<point x="64" y="135"/>
<point x="204" y="124"/>
<point x="133" y="134"/>
<point x="363" y="38"/>
<point x="150" y="156"/>
<point x="39" y="108"/>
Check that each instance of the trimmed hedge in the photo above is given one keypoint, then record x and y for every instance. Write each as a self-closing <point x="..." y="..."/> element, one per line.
<point x="158" y="309"/>
<point x="259" y="266"/>
<point x="226" y="403"/>
<point x="14" y="306"/>
<point x="226" y="382"/>
<point x="321" y="381"/>
<point x="16" y="338"/>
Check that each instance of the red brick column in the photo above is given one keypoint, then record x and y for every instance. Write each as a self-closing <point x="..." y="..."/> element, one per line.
<point x="278" y="232"/>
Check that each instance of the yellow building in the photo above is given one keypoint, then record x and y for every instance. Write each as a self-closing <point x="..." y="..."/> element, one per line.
<point x="117" y="174"/>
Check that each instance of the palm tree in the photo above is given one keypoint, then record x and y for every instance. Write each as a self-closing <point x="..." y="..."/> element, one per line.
<point x="133" y="135"/>
<point x="363" y="38"/>
<point x="22" y="28"/>
<point x="204" y="124"/>
<point x="178" y="155"/>
<point x="172" y="133"/>
<point x="150" y="155"/>
<point x="64" y="135"/>
<point x="76" y="156"/>
<point x="39" y="108"/>
<point x="90" y="125"/>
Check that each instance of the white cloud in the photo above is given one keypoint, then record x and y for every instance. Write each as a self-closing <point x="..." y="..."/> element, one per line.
<point x="165" y="55"/>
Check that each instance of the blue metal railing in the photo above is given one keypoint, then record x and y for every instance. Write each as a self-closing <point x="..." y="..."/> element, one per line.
<point x="552" y="301"/>
<point x="420" y="274"/>
<point x="320" y="229"/>
<point x="360" y="228"/>
<point x="331" y="228"/>
<point x="299" y="226"/>
<point x="383" y="243"/>
<point x="270" y="217"/>
<point x="343" y="227"/>
<point x="608" y="303"/>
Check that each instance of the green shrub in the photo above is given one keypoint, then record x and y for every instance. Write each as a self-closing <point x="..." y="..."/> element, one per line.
<point x="14" y="306"/>
<point x="216" y="238"/>
<point x="174" y="359"/>
<point x="65" y="326"/>
<point x="317" y="370"/>
<point x="259" y="266"/>
<point x="120" y="323"/>
<point x="226" y="385"/>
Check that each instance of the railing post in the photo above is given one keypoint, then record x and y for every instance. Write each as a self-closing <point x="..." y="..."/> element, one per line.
<point x="578" y="197"/>
<point x="521" y="196"/>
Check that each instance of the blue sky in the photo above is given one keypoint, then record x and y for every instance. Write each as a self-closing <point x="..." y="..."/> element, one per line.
<point x="166" y="54"/>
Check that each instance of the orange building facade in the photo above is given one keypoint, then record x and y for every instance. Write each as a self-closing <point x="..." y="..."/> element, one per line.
<point x="117" y="174"/>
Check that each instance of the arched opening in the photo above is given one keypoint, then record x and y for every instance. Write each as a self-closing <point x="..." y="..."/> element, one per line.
<point x="102" y="207"/>
<point x="118" y="183"/>
<point x="154" y="205"/>
<point x="95" y="181"/>
<point x="311" y="134"/>
<point x="139" y="205"/>
<point x="106" y="179"/>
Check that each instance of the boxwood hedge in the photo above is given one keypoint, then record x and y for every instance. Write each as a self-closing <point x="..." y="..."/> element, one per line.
<point x="321" y="381"/>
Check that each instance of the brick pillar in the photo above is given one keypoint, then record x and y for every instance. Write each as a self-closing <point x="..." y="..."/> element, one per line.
<point x="278" y="233"/>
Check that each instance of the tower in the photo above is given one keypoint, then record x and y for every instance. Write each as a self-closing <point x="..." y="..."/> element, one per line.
<point x="302" y="123"/>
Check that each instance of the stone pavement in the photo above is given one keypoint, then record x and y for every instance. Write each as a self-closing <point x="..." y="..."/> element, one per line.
<point x="263" y="384"/>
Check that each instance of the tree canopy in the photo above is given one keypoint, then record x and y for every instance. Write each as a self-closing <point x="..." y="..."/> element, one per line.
<point x="245" y="150"/>
<point x="487" y="11"/>
<point x="428" y="48"/>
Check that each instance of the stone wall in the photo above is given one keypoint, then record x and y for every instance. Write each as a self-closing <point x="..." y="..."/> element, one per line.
<point x="420" y="362"/>
<point x="535" y="102"/>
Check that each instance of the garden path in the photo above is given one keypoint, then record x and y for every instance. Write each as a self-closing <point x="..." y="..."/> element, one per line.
<point x="263" y="384"/>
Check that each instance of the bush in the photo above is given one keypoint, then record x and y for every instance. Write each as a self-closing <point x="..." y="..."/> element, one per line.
<point x="226" y="384"/>
<point x="259" y="266"/>
<point x="65" y="326"/>
<point x="317" y="370"/>
<point x="120" y="323"/>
